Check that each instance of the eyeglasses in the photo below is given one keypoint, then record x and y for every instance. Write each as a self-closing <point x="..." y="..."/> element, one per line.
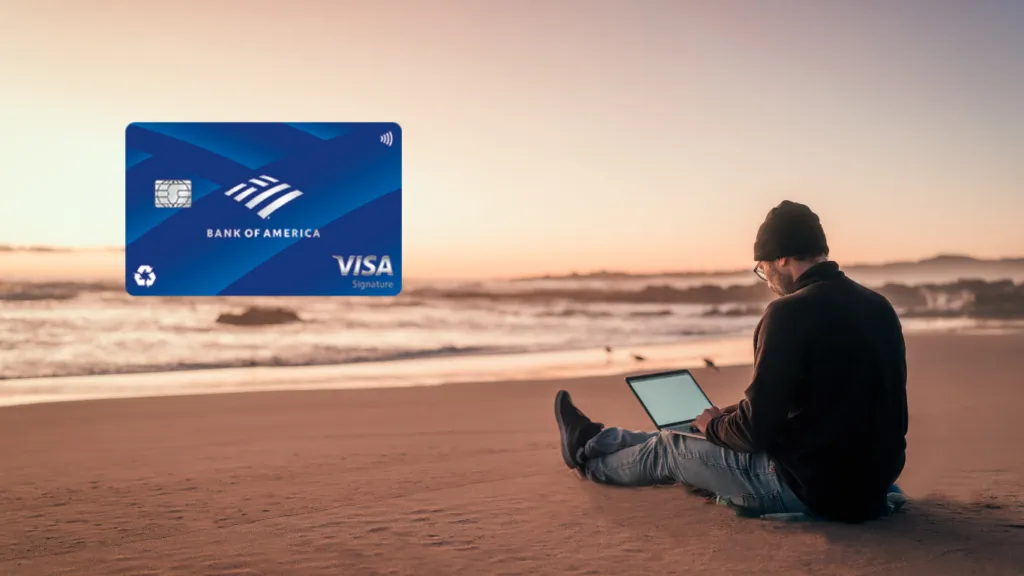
<point x="760" y="273"/>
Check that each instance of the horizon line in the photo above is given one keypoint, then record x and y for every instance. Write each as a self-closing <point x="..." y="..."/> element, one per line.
<point x="44" y="249"/>
<point x="725" y="272"/>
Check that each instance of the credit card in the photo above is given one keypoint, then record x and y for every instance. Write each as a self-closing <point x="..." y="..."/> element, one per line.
<point x="263" y="209"/>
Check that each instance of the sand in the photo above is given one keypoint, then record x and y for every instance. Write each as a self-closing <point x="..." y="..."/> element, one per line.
<point x="467" y="479"/>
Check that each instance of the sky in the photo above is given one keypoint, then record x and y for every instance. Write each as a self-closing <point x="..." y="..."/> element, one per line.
<point x="559" y="136"/>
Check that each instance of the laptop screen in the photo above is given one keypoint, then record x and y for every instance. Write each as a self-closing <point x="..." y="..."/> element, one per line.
<point x="670" y="398"/>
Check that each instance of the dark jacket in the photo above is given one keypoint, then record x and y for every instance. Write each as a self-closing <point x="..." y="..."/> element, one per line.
<point x="828" y="399"/>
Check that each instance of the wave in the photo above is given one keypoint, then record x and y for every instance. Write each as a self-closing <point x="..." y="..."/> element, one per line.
<point x="1002" y="300"/>
<point x="660" y="294"/>
<point x="974" y="298"/>
<point x="573" y="313"/>
<point x="321" y="356"/>
<point x="585" y="313"/>
<point x="981" y="299"/>
<point x="27" y="291"/>
<point x="734" y="311"/>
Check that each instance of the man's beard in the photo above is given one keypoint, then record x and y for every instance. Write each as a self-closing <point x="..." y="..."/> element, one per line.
<point x="778" y="281"/>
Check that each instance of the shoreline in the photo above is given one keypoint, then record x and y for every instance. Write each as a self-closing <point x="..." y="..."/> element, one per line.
<point x="414" y="372"/>
<point x="403" y="373"/>
<point x="262" y="355"/>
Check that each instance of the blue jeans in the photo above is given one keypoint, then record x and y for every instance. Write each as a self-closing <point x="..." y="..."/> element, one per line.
<point x="749" y="482"/>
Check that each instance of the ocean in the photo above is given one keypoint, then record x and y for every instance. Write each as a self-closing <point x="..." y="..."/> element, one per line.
<point x="67" y="329"/>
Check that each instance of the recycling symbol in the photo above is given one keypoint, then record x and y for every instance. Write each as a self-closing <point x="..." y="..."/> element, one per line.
<point x="145" y="276"/>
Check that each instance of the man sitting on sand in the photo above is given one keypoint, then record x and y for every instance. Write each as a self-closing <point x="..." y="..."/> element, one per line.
<point x="822" y="428"/>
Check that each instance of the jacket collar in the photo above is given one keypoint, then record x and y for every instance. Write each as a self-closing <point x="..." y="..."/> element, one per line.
<point x="820" y="272"/>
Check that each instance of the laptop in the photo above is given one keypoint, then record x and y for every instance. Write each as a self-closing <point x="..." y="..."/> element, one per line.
<point x="672" y="400"/>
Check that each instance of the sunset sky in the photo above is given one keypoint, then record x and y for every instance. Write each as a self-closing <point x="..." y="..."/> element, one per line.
<point x="547" y="137"/>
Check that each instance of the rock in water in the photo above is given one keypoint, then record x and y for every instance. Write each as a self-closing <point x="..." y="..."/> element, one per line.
<point x="257" y="316"/>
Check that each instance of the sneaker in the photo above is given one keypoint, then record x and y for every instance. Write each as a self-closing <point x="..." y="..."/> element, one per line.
<point x="575" y="428"/>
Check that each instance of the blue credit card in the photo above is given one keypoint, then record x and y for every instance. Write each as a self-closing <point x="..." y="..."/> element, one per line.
<point x="263" y="209"/>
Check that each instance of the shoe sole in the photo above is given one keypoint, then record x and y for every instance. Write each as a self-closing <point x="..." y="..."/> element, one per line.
<point x="559" y="398"/>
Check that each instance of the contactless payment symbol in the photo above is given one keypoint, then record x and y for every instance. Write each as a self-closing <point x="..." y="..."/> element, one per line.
<point x="263" y="209"/>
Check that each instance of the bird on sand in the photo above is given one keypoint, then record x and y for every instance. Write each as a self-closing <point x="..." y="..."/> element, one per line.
<point x="710" y="364"/>
<point x="638" y="358"/>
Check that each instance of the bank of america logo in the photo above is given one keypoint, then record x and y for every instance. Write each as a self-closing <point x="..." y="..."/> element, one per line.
<point x="263" y="192"/>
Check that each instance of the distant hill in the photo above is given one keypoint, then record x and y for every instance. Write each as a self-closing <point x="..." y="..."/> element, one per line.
<point x="18" y="248"/>
<point x="942" y="264"/>
<point x="10" y="248"/>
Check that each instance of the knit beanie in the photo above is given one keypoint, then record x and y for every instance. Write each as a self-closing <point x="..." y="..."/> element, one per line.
<point x="790" y="229"/>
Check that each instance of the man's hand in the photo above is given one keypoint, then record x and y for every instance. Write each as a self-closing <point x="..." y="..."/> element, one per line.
<point x="730" y="409"/>
<point x="701" y="423"/>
